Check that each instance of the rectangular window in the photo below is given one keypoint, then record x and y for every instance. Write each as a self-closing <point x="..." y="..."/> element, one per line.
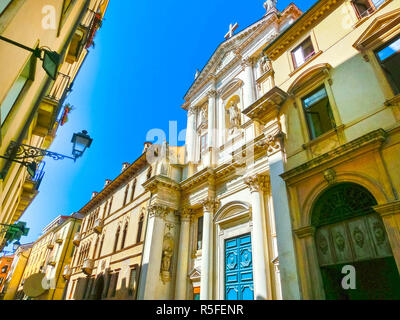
<point x="199" y="233"/>
<point x="132" y="282"/>
<point x="389" y="58"/>
<point x="303" y="52"/>
<point x="203" y="143"/>
<point x="3" y="5"/>
<point x="364" y="8"/>
<point x="318" y="112"/>
<point x="16" y="89"/>
<point x="114" y="285"/>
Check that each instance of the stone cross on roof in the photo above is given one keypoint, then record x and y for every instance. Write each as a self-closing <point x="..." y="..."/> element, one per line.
<point x="232" y="29"/>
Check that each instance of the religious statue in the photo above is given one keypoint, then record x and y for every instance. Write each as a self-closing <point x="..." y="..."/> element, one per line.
<point x="265" y="64"/>
<point x="234" y="117"/>
<point x="167" y="252"/>
<point x="166" y="259"/>
<point x="270" y="5"/>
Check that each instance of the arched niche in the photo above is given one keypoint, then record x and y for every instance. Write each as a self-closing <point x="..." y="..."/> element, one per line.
<point x="234" y="212"/>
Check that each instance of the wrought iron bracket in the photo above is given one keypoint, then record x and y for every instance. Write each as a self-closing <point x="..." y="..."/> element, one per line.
<point x="17" y="151"/>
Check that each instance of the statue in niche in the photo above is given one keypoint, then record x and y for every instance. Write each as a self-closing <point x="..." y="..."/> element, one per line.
<point x="234" y="117"/>
<point x="168" y="247"/>
<point x="203" y="115"/>
<point x="270" y="5"/>
<point x="265" y="64"/>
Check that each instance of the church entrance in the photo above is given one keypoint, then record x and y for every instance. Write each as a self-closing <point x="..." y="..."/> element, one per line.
<point x="350" y="233"/>
<point x="239" y="268"/>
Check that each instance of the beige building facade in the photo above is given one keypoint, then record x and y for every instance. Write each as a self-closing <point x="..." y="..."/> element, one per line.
<point x="30" y="101"/>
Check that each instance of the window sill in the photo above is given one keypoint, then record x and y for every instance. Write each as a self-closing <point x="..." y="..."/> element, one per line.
<point x="322" y="137"/>
<point x="305" y="63"/>
<point x="363" y="19"/>
<point x="395" y="101"/>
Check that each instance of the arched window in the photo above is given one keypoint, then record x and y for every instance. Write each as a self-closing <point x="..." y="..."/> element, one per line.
<point x="126" y="194"/>
<point x="95" y="247"/>
<point x="109" y="207"/>
<point x="116" y="239"/>
<point x="124" y="236"/>
<point x="140" y="228"/>
<point x="101" y="247"/>
<point x="149" y="172"/>
<point x="133" y="190"/>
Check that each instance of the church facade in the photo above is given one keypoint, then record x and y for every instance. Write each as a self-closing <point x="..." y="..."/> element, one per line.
<point x="289" y="172"/>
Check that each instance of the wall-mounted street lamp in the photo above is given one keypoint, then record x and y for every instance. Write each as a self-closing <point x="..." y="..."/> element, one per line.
<point x="51" y="59"/>
<point x="14" y="232"/>
<point x="20" y="153"/>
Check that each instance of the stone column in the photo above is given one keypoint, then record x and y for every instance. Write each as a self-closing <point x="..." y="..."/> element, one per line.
<point x="152" y="253"/>
<point x="183" y="257"/>
<point x="191" y="134"/>
<point x="283" y="222"/>
<point x="390" y="213"/>
<point x="212" y="96"/>
<point x="256" y="184"/>
<point x="249" y="91"/>
<point x="309" y="272"/>
<point x="209" y="207"/>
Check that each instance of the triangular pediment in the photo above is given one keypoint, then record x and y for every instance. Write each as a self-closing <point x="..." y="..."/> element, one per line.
<point x="379" y="30"/>
<point x="195" y="274"/>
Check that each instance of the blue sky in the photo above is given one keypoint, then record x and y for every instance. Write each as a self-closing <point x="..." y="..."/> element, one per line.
<point x="134" y="80"/>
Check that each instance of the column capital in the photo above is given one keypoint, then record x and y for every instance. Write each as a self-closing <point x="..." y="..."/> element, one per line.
<point x="305" y="232"/>
<point x="210" y="204"/>
<point x="258" y="183"/>
<point x="186" y="214"/>
<point x="212" y="93"/>
<point x="192" y="110"/>
<point x="157" y="210"/>
<point x="247" y="62"/>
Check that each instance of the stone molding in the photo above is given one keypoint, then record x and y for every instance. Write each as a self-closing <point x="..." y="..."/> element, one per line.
<point x="388" y="208"/>
<point x="305" y="232"/>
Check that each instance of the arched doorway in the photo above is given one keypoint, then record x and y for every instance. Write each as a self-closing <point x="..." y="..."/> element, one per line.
<point x="98" y="288"/>
<point x="350" y="232"/>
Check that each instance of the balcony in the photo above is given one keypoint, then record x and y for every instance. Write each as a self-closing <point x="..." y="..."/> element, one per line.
<point x="77" y="239"/>
<point x="98" y="226"/>
<point x="67" y="272"/>
<point x="88" y="266"/>
<point x="84" y="35"/>
<point x="50" y="106"/>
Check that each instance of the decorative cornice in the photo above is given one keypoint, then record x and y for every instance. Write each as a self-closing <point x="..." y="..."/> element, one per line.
<point x="312" y="17"/>
<point x="377" y="136"/>
<point x="251" y="32"/>
<point x="127" y="174"/>
<point x="268" y="103"/>
<point x="387" y="209"/>
<point x="155" y="182"/>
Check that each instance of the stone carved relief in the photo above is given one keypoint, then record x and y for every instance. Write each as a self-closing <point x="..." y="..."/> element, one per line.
<point x="358" y="236"/>
<point x="379" y="233"/>
<point x="167" y="252"/>
<point x="339" y="241"/>
<point x="330" y="176"/>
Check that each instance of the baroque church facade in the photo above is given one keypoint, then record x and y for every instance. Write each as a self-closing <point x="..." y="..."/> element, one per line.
<point x="289" y="171"/>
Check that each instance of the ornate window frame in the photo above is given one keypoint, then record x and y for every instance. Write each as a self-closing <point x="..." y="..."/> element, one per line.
<point x="305" y="83"/>
<point x="382" y="30"/>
